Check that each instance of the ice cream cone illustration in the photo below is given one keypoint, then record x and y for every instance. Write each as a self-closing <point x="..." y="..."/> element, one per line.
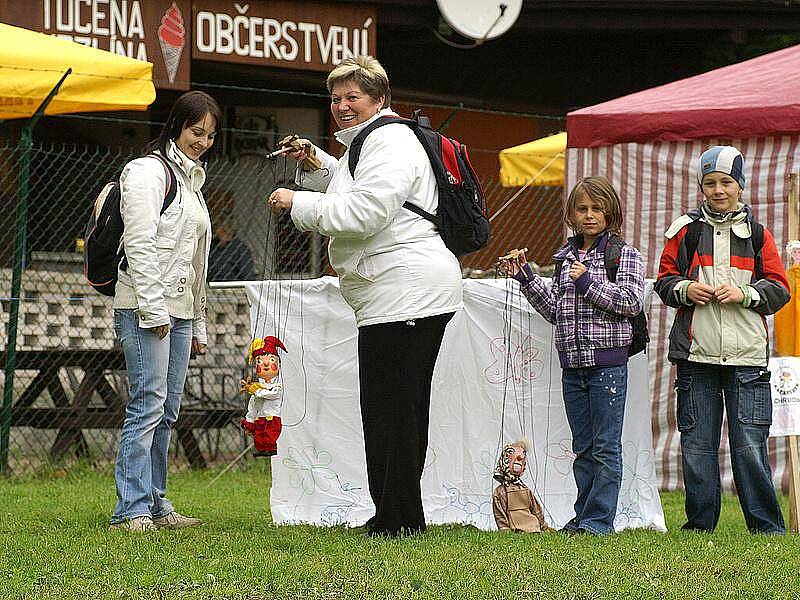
<point x="171" y="34"/>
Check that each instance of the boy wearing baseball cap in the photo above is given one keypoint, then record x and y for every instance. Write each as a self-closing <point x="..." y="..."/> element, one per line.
<point x="722" y="272"/>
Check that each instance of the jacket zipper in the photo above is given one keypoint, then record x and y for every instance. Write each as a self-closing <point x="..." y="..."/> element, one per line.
<point x="577" y="324"/>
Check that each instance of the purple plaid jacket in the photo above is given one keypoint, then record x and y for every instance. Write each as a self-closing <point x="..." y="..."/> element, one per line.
<point x="590" y="314"/>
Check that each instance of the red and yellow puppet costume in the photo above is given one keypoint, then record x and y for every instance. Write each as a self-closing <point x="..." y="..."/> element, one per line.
<point x="263" y="420"/>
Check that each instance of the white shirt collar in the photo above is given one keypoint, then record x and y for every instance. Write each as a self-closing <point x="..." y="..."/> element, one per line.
<point x="195" y="173"/>
<point x="346" y="136"/>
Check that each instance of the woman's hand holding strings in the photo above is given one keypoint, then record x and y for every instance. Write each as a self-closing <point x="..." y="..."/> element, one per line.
<point x="280" y="199"/>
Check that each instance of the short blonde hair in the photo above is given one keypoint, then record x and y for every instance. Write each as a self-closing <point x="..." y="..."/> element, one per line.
<point x="365" y="71"/>
<point x="597" y="189"/>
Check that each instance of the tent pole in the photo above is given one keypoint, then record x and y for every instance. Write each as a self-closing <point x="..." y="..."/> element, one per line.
<point x="26" y="145"/>
<point x="794" y="467"/>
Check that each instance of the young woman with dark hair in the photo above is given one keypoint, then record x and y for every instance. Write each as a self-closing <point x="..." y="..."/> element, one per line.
<point x="160" y="304"/>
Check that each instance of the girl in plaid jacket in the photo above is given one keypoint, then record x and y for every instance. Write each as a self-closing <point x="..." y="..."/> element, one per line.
<point x="592" y="318"/>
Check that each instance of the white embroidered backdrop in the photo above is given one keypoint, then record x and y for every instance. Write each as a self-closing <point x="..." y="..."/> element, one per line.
<point x="497" y="378"/>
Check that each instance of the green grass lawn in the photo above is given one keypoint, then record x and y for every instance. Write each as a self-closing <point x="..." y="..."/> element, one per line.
<point x="55" y="543"/>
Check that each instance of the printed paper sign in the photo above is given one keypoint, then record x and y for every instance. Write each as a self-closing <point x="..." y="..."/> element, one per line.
<point x="785" y="385"/>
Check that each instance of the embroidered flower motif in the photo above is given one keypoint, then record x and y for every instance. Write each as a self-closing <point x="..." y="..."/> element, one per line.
<point x="311" y="469"/>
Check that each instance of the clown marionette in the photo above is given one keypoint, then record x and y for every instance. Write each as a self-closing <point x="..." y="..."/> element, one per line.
<point x="263" y="420"/>
<point x="515" y="507"/>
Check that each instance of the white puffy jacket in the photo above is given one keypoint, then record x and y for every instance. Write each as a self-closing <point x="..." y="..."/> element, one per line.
<point x="166" y="262"/>
<point x="392" y="264"/>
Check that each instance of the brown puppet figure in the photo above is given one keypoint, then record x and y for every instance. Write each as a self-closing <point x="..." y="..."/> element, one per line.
<point x="263" y="420"/>
<point x="515" y="507"/>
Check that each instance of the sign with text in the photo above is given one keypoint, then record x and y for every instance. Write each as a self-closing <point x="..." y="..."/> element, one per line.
<point x="149" y="30"/>
<point x="297" y="35"/>
<point x="785" y="384"/>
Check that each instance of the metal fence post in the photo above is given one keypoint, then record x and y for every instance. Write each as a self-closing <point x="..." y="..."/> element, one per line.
<point x="26" y="144"/>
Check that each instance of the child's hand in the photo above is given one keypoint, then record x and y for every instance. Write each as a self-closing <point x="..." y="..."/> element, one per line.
<point x="728" y="294"/>
<point x="576" y="270"/>
<point x="700" y="293"/>
<point x="243" y="383"/>
<point x="509" y="266"/>
<point x="512" y="262"/>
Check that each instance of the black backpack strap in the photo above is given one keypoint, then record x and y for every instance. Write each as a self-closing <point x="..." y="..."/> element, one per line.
<point x="358" y="141"/>
<point x="757" y="239"/>
<point x="611" y="256"/>
<point x="422" y="213"/>
<point x="691" y="239"/>
<point x="172" y="184"/>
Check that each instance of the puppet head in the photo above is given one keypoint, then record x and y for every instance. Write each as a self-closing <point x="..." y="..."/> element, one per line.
<point x="793" y="252"/>
<point x="512" y="462"/>
<point x="263" y="355"/>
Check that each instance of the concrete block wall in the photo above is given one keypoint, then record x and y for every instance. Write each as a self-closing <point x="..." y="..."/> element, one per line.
<point x="59" y="310"/>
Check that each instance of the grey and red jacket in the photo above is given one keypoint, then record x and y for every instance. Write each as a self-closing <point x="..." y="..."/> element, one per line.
<point x="590" y="314"/>
<point x="722" y="334"/>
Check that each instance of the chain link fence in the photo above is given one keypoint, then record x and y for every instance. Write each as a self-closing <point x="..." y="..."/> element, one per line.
<point x="69" y="382"/>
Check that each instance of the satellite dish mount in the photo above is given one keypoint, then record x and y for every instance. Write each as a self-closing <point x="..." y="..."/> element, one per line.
<point x="477" y="19"/>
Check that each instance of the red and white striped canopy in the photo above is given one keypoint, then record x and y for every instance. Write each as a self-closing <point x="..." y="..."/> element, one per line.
<point x="752" y="99"/>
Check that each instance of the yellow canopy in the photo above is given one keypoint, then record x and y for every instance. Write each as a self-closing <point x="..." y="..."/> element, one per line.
<point x="32" y="63"/>
<point x="542" y="159"/>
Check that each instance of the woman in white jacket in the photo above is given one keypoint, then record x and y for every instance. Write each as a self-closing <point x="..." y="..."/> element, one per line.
<point x="160" y="305"/>
<point x="395" y="272"/>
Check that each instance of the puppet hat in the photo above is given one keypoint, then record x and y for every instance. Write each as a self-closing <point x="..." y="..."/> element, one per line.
<point x="267" y="345"/>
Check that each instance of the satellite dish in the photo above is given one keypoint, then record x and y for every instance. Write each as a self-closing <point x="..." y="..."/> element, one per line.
<point x="480" y="20"/>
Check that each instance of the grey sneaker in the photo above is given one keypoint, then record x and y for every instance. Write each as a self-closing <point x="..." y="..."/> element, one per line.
<point x="176" y="520"/>
<point x="138" y="524"/>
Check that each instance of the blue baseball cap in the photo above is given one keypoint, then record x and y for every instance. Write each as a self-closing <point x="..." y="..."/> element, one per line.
<point x="721" y="159"/>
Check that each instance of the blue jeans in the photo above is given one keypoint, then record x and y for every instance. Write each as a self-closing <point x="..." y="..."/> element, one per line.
<point x="156" y="375"/>
<point x="594" y="399"/>
<point x="701" y="389"/>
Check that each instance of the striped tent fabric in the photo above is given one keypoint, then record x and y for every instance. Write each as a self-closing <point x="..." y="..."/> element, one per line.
<point x="657" y="183"/>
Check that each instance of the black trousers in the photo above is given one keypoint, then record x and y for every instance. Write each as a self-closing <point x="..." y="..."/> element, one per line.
<point x="395" y="368"/>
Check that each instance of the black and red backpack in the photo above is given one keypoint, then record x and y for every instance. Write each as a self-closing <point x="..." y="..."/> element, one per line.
<point x="461" y="217"/>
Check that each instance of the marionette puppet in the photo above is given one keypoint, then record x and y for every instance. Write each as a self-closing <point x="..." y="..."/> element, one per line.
<point x="514" y="505"/>
<point x="263" y="420"/>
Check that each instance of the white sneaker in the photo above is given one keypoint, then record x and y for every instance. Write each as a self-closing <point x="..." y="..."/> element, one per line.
<point x="138" y="524"/>
<point x="176" y="520"/>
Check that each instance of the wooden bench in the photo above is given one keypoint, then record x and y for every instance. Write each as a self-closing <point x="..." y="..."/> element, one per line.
<point x="71" y="417"/>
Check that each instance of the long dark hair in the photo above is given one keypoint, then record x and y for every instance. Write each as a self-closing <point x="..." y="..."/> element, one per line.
<point x="187" y="110"/>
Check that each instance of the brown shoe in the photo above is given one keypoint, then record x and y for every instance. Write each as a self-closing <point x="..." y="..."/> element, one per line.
<point x="137" y="524"/>
<point x="176" y="520"/>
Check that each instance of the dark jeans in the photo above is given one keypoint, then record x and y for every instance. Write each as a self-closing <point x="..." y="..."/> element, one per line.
<point x="594" y="399"/>
<point x="701" y="389"/>
<point x="395" y="368"/>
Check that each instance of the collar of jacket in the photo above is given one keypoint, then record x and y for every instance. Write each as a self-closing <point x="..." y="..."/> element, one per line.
<point x="739" y="219"/>
<point x="195" y="173"/>
<point x="346" y="136"/>
<point x="575" y="243"/>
